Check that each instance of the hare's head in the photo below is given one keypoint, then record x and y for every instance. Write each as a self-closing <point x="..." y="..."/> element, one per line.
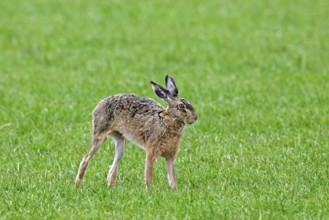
<point x="178" y="108"/>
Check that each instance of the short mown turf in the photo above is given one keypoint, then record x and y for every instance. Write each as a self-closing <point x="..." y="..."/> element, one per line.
<point x="257" y="73"/>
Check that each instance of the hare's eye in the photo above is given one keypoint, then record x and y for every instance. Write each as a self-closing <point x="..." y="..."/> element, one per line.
<point x="181" y="106"/>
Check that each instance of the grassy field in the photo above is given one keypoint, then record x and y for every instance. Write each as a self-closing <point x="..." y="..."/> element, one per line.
<point x="257" y="73"/>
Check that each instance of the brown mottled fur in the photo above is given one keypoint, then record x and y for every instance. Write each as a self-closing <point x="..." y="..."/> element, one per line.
<point x="144" y="122"/>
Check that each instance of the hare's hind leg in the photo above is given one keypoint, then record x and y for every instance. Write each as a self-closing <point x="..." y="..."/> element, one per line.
<point x="119" y="142"/>
<point x="96" y="143"/>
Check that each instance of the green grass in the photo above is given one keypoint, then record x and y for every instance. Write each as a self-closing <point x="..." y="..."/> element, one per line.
<point x="257" y="73"/>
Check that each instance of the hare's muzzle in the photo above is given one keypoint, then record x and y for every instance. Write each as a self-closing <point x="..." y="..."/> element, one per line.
<point x="193" y="119"/>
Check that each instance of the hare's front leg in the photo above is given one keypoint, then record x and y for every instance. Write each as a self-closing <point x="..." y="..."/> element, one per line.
<point x="119" y="142"/>
<point x="150" y="158"/>
<point x="171" y="172"/>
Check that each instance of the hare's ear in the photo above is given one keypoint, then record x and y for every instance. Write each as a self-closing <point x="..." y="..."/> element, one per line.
<point x="160" y="91"/>
<point x="171" y="86"/>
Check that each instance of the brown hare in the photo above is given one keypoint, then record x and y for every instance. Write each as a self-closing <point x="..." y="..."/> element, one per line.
<point x="144" y="122"/>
